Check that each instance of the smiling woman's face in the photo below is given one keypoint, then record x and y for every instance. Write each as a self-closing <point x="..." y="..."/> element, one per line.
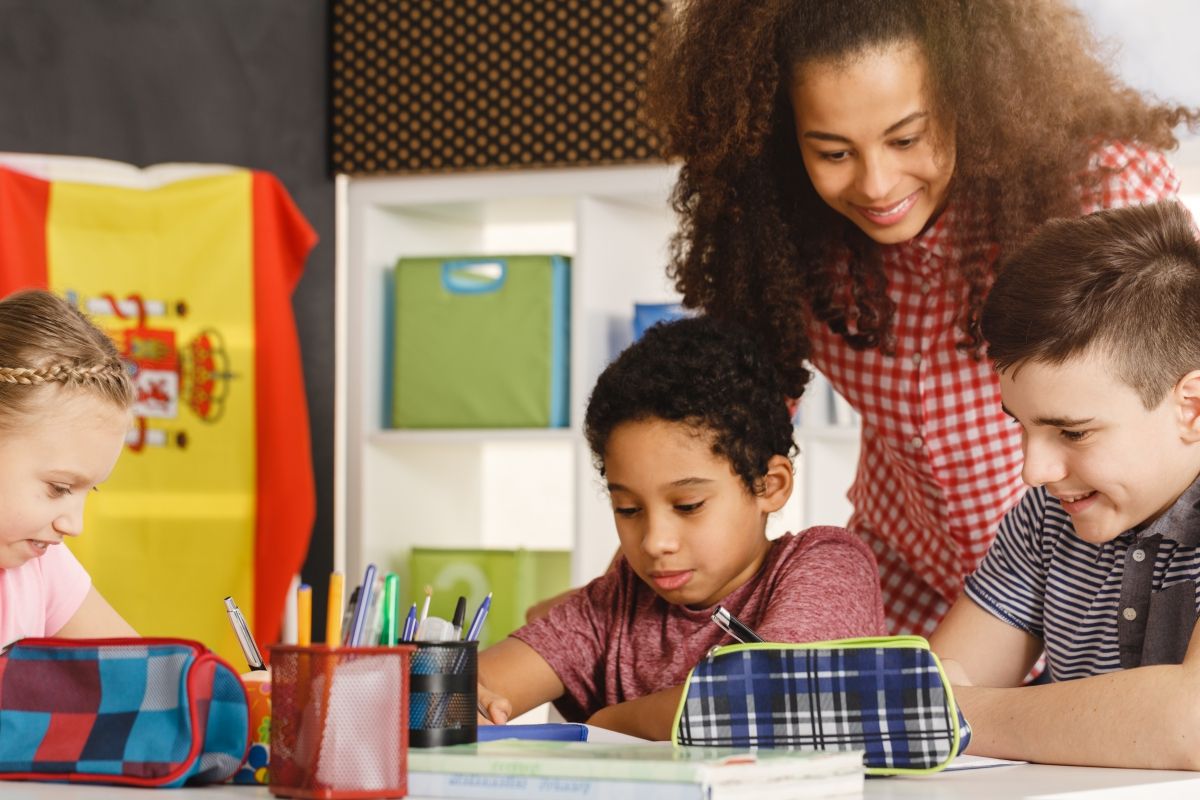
<point x="870" y="143"/>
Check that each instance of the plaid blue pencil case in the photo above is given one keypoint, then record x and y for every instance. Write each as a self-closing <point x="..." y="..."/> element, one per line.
<point x="887" y="696"/>
<point x="138" y="712"/>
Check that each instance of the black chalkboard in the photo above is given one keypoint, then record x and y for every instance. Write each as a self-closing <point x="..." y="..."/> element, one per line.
<point x="227" y="81"/>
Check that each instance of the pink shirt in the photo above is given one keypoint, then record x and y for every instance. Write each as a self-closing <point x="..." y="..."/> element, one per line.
<point x="940" y="462"/>
<point x="616" y="640"/>
<point x="39" y="597"/>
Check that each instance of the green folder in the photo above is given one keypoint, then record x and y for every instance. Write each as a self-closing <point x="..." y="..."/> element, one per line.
<point x="479" y="342"/>
<point x="516" y="578"/>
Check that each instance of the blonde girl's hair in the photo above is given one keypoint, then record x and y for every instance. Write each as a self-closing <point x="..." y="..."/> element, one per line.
<point x="44" y="340"/>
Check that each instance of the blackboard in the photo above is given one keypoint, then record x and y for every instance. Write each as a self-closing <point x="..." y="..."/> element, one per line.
<point x="225" y="81"/>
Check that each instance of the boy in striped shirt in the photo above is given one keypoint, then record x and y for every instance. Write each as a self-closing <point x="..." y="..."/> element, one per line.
<point x="1094" y="327"/>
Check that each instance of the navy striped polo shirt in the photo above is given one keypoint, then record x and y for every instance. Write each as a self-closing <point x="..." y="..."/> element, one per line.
<point x="1128" y="602"/>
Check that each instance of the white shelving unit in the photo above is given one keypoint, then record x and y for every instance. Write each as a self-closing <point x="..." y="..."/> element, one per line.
<point x="511" y="488"/>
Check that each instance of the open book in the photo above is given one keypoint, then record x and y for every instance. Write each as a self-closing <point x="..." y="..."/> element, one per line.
<point x="518" y="769"/>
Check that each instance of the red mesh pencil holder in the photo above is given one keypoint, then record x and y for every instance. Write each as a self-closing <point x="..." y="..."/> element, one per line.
<point x="339" y="725"/>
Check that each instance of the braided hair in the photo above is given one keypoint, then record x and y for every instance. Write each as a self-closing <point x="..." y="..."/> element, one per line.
<point x="46" y="341"/>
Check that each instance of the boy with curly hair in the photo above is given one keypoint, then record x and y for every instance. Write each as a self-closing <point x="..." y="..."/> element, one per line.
<point x="1094" y="329"/>
<point x="691" y="432"/>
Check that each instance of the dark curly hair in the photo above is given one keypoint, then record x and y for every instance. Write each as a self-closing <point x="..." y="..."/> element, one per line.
<point x="707" y="374"/>
<point x="1022" y="83"/>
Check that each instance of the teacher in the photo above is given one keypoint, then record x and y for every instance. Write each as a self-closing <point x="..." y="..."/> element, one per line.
<point x="852" y="171"/>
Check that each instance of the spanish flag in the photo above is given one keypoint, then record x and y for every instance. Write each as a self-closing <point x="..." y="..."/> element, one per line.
<point x="190" y="269"/>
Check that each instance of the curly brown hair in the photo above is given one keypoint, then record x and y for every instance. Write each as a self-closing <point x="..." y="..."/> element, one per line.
<point x="1023" y="82"/>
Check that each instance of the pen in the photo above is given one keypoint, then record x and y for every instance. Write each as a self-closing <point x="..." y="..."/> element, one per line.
<point x="480" y="616"/>
<point x="734" y="626"/>
<point x="425" y="605"/>
<point x="348" y="616"/>
<point x="410" y="624"/>
<point x="460" y="613"/>
<point x="333" y="609"/>
<point x="242" y="631"/>
<point x="373" y="626"/>
<point x="304" y="615"/>
<point x="364" y="607"/>
<point x="391" y="587"/>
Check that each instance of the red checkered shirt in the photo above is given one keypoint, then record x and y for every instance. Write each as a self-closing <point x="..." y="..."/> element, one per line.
<point x="940" y="462"/>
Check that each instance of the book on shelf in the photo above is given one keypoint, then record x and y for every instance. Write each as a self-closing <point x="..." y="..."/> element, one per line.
<point x="514" y="768"/>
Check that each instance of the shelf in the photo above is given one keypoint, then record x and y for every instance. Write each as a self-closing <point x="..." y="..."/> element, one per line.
<point x="830" y="433"/>
<point x="399" y="437"/>
<point x="508" y="488"/>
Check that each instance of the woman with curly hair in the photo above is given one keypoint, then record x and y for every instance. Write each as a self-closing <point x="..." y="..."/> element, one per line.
<point x="852" y="170"/>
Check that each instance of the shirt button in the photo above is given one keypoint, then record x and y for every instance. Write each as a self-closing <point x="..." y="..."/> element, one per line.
<point x="925" y="287"/>
<point x="917" y="442"/>
<point x="1139" y="555"/>
<point x="916" y="358"/>
<point x="1129" y="614"/>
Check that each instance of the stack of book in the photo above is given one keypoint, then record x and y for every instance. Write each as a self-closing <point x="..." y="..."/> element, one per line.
<point x="511" y="769"/>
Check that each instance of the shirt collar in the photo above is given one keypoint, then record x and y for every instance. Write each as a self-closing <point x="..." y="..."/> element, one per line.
<point x="936" y="238"/>
<point x="1180" y="522"/>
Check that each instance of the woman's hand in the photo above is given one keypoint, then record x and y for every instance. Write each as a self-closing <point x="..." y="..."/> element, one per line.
<point x="493" y="709"/>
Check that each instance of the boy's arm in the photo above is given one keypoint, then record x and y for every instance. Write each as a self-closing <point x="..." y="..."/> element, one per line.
<point x="648" y="717"/>
<point x="513" y="678"/>
<point x="979" y="649"/>
<point x="1147" y="717"/>
<point x="95" y="619"/>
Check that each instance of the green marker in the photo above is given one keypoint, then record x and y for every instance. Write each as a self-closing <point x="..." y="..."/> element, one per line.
<point x="391" y="591"/>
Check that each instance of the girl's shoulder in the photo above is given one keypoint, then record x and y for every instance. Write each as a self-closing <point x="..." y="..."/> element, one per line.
<point x="1118" y="154"/>
<point x="1120" y="173"/>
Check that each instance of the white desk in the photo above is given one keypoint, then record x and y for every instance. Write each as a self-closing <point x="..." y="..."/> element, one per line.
<point x="1025" y="780"/>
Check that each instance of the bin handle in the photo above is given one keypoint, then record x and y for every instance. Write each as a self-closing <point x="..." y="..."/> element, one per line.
<point x="474" y="275"/>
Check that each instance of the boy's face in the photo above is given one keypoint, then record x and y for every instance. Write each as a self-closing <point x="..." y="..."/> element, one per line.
<point x="687" y="523"/>
<point x="1090" y="441"/>
<point x="49" y="463"/>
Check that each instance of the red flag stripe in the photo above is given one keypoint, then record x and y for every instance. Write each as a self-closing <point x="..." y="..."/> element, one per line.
<point x="23" y="204"/>
<point x="286" y="493"/>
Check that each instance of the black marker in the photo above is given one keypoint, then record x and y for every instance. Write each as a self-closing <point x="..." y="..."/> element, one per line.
<point x="734" y="626"/>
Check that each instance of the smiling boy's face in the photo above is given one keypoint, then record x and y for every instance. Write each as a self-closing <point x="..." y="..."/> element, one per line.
<point x="688" y="525"/>
<point x="1091" y="442"/>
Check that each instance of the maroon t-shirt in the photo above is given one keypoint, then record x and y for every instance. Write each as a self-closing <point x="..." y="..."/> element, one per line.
<point x="616" y="639"/>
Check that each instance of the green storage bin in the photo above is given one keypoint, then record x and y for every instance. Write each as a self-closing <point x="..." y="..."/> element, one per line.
<point x="516" y="578"/>
<point x="480" y="342"/>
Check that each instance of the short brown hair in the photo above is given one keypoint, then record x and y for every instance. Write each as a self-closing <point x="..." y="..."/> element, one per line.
<point x="44" y="340"/>
<point x="1126" y="281"/>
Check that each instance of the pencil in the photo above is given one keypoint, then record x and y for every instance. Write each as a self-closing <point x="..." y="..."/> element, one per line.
<point x="304" y="615"/>
<point x="333" y="609"/>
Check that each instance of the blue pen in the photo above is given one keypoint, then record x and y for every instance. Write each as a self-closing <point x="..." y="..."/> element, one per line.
<point x="410" y="624"/>
<point x="480" y="616"/>
<point x="364" y="607"/>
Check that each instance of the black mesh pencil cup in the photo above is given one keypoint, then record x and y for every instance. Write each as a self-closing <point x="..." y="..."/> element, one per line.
<point x="442" y="694"/>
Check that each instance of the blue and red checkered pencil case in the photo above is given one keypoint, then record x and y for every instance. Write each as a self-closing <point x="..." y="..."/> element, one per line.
<point x="138" y="712"/>
<point x="887" y="696"/>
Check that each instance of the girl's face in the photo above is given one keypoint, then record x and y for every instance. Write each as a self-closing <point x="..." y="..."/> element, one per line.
<point x="49" y="463"/>
<point x="688" y="525"/>
<point x="870" y="143"/>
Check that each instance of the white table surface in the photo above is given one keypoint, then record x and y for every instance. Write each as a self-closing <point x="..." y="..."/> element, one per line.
<point x="1019" y="781"/>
